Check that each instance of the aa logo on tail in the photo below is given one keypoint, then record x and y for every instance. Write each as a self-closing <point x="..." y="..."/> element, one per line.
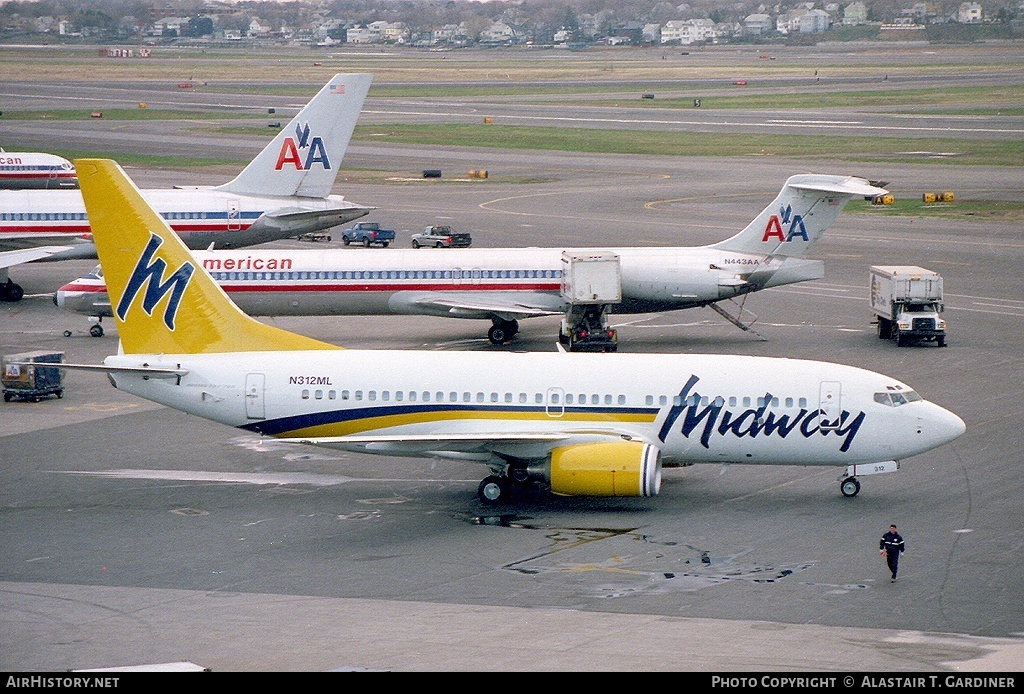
<point x="149" y="272"/>
<point x="289" y="153"/>
<point x="773" y="230"/>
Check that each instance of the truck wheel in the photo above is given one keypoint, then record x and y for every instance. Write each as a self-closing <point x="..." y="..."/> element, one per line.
<point x="344" y="240"/>
<point x="884" y="329"/>
<point x="438" y="245"/>
<point x="941" y="341"/>
<point x="366" y="242"/>
<point x="901" y="341"/>
<point x="385" y="243"/>
<point x="415" y="243"/>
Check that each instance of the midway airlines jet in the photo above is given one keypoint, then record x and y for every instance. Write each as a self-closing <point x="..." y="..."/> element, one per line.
<point x="579" y="424"/>
<point x="35" y="170"/>
<point x="508" y="284"/>
<point x="285" y="191"/>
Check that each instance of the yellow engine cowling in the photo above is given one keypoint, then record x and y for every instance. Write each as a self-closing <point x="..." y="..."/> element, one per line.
<point x="615" y="468"/>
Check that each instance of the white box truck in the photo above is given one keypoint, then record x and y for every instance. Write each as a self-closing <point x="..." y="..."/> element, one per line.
<point x="907" y="303"/>
<point x="591" y="283"/>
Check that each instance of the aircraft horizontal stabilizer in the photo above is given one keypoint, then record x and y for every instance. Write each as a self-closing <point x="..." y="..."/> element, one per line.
<point x="145" y="369"/>
<point x="848" y="185"/>
<point x="302" y="220"/>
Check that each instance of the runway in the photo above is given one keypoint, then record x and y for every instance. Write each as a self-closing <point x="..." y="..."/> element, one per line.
<point x="134" y="534"/>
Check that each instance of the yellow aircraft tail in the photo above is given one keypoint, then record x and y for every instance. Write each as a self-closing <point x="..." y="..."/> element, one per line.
<point x="162" y="300"/>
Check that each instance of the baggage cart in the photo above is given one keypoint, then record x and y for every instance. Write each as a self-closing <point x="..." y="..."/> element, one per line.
<point x="25" y="377"/>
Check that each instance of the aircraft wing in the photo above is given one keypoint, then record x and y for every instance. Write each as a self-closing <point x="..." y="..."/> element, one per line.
<point x="465" y="307"/>
<point x="520" y="443"/>
<point x="27" y="255"/>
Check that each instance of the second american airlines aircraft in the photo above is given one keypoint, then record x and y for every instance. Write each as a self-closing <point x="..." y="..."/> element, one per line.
<point x="578" y="424"/>
<point x="505" y="285"/>
<point x="285" y="191"/>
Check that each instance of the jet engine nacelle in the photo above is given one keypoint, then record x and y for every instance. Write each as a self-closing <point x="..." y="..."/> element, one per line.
<point x="615" y="468"/>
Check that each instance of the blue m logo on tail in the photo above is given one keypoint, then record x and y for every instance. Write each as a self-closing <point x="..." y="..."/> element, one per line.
<point x="150" y="272"/>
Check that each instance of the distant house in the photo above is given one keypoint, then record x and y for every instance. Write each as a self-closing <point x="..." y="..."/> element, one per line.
<point x="855" y="14"/>
<point x="499" y="33"/>
<point x="688" y="31"/>
<point x="969" y="13"/>
<point x="815" y="22"/>
<point x="257" y="29"/>
<point x="757" y="24"/>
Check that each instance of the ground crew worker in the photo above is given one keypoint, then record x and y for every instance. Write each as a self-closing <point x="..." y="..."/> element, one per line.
<point x="891" y="546"/>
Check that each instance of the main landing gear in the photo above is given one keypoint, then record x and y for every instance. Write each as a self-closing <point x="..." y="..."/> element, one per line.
<point x="10" y="291"/>
<point x="497" y="488"/>
<point x="502" y="332"/>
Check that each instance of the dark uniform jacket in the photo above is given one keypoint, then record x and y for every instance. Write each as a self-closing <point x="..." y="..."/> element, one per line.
<point x="891" y="542"/>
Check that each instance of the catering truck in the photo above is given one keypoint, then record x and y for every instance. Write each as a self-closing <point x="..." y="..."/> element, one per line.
<point x="591" y="285"/>
<point x="907" y="302"/>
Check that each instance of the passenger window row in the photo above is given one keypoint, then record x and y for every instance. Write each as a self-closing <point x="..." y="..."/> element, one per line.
<point x="465" y="397"/>
<point x="388" y="275"/>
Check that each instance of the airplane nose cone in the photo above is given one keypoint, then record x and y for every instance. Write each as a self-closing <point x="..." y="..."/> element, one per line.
<point x="940" y="426"/>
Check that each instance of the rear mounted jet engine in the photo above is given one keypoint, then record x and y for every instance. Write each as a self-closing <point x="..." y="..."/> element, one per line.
<point x="619" y="468"/>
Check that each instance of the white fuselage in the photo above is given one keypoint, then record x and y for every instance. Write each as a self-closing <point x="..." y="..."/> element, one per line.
<point x="20" y="170"/>
<point x="200" y="216"/>
<point x="694" y="408"/>
<point x="467" y="283"/>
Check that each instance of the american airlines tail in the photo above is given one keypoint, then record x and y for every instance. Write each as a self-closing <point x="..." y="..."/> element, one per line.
<point x="142" y="255"/>
<point x="304" y="157"/>
<point x="805" y="207"/>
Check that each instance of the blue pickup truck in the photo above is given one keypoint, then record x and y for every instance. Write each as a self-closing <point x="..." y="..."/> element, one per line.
<point x="367" y="234"/>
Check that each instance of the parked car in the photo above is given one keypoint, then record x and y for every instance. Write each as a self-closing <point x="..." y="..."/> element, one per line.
<point x="441" y="236"/>
<point x="368" y="234"/>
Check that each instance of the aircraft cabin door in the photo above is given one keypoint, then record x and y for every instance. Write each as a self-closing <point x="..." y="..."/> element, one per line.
<point x="234" y="215"/>
<point x="554" y="402"/>
<point x="254" y="385"/>
<point x="830" y="404"/>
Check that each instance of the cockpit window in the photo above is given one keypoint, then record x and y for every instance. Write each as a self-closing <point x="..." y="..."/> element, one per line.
<point x="96" y="272"/>
<point x="897" y="398"/>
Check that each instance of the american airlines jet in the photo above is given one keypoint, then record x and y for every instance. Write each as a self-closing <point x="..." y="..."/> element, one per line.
<point x="35" y="170"/>
<point x="576" y="424"/>
<point x="285" y="191"/>
<point x="508" y="284"/>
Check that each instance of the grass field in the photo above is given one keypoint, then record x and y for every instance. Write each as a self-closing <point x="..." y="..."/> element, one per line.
<point x="852" y="77"/>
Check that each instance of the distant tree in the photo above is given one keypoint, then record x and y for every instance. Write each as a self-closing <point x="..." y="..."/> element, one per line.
<point x="199" y="26"/>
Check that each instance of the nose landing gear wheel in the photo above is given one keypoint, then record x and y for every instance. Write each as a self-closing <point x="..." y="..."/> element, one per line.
<point x="850" y="487"/>
<point x="494" y="490"/>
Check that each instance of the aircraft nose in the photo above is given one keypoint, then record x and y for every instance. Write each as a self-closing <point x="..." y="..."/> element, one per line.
<point x="942" y="426"/>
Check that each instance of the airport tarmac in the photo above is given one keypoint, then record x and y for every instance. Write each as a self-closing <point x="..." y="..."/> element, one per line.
<point x="134" y="534"/>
